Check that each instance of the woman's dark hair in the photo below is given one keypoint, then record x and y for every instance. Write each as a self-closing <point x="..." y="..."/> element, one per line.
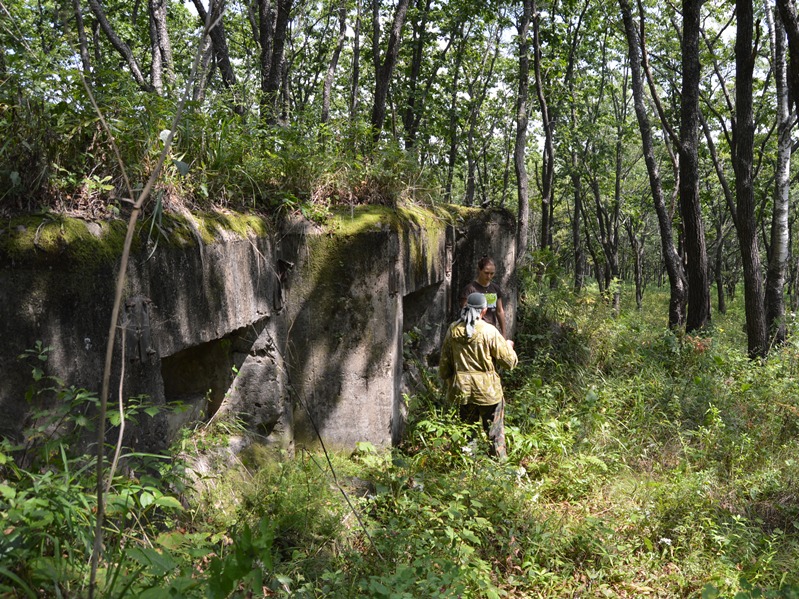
<point x="485" y="261"/>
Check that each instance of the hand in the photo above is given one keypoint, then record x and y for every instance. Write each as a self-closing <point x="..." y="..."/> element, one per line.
<point x="510" y="343"/>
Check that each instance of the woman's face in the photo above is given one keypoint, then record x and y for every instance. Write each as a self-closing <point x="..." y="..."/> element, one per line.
<point x="486" y="275"/>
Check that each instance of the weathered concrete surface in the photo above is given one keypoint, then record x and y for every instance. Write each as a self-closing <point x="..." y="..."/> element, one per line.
<point x="296" y="329"/>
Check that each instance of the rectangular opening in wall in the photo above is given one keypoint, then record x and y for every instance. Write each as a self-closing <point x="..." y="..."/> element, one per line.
<point x="199" y="376"/>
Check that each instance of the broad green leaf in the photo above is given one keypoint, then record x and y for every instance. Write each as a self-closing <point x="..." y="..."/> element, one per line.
<point x="167" y="501"/>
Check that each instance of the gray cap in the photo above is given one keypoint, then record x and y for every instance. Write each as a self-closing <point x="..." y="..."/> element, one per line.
<point x="476" y="300"/>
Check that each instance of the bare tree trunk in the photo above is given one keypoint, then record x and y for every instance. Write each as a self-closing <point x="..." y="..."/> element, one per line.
<point x="204" y="72"/>
<point x="693" y="228"/>
<point x="157" y="10"/>
<point x="120" y="46"/>
<point x="719" y="268"/>
<point x="790" y="21"/>
<point x="356" y="62"/>
<point x="523" y="221"/>
<point x="743" y="149"/>
<point x="270" y="81"/>
<point x="156" y="64"/>
<point x="638" y="263"/>
<point x="778" y="255"/>
<point x="475" y="106"/>
<point x="82" y="41"/>
<point x="548" y="156"/>
<point x="219" y="42"/>
<point x="579" y="254"/>
<point x="384" y="73"/>
<point x="414" y="103"/>
<point x="452" y="154"/>
<point x="331" y="69"/>
<point x="674" y="268"/>
<point x="266" y="34"/>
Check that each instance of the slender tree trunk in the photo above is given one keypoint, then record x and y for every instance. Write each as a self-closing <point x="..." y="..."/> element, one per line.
<point x="156" y="64"/>
<point x="204" y="72"/>
<point x="638" y="263"/>
<point x="452" y="155"/>
<point x="120" y="46"/>
<point x="693" y="229"/>
<point x="574" y="171"/>
<point x="523" y="221"/>
<point x="548" y="156"/>
<point x="386" y="69"/>
<point x="719" y="268"/>
<point x="475" y="106"/>
<point x="83" y="43"/>
<point x="599" y="265"/>
<point x="414" y="102"/>
<point x="270" y="96"/>
<point x="778" y="256"/>
<point x="790" y="21"/>
<point x="356" y="62"/>
<point x="266" y="34"/>
<point x="331" y="69"/>
<point x="674" y="268"/>
<point x="743" y="149"/>
<point x="579" y="254"/>
<point x="613" y="225"/>
<point x="157" y="10"/>
<point x="219" y="42"/>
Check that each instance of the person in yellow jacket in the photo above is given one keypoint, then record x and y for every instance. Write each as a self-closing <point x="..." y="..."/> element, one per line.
<point x="470" y="353"/>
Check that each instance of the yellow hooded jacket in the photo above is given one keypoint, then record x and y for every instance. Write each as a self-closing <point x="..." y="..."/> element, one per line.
<point x="467" y="363"/>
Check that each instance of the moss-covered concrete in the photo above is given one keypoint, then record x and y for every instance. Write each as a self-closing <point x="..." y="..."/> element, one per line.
<point x="316" y="309"/>
<point x="54" y="239"/>
<point x="49" y="240"/>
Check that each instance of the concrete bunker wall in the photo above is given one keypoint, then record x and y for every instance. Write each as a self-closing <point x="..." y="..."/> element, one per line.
<point x="297" y="331"/>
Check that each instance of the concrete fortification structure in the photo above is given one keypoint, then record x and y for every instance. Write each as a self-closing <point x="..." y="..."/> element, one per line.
<point x="296" y="329"/>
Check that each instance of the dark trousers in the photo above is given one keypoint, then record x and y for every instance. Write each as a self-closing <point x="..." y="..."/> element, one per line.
<point x="493" y="420"/>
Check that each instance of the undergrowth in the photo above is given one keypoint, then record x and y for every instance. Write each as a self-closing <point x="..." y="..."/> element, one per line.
<point x="641" y="462"/>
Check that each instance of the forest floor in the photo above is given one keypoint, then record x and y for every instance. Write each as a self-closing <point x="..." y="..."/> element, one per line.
<point x="641" y="464"/>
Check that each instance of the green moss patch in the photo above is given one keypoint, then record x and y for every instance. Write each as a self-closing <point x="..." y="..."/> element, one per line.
<point x="59" y="240"/>
<point x="54" y="240"/>
<point x="365" y="218"/>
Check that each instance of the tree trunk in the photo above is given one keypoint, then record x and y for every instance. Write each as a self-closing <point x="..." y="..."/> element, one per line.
<point x="778" y="255"/>
<point x="674" y="268"/>
<point x="523" y="221"/>
<point x="219" y="42"/>
<point x="156" y="65"/>
<point x="120" y="46"/>
<point x="452" y="155"/>
<point x="790" y="21"/>
<point x="331" y="68"/>
<point x="269" y="98"/>
<point x="579" y="254"/>
<point x="690" y="210"/>
<point x="638" y="264"/>
<point x="266" y="34"/>
<point x="356" y="62"/>
<point x="475" y="106"/>
<point x="719" y="269"/>
<point x="386" y="69"/>
<point x="414" y="103"/>
<point x="574" y="171"/>
<point x="548" y="156"/>
<point x="204" y="72"/>
<point x="161" y="44"/>
<point x="82" y="41"/>
<point x="743" y="149"/>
